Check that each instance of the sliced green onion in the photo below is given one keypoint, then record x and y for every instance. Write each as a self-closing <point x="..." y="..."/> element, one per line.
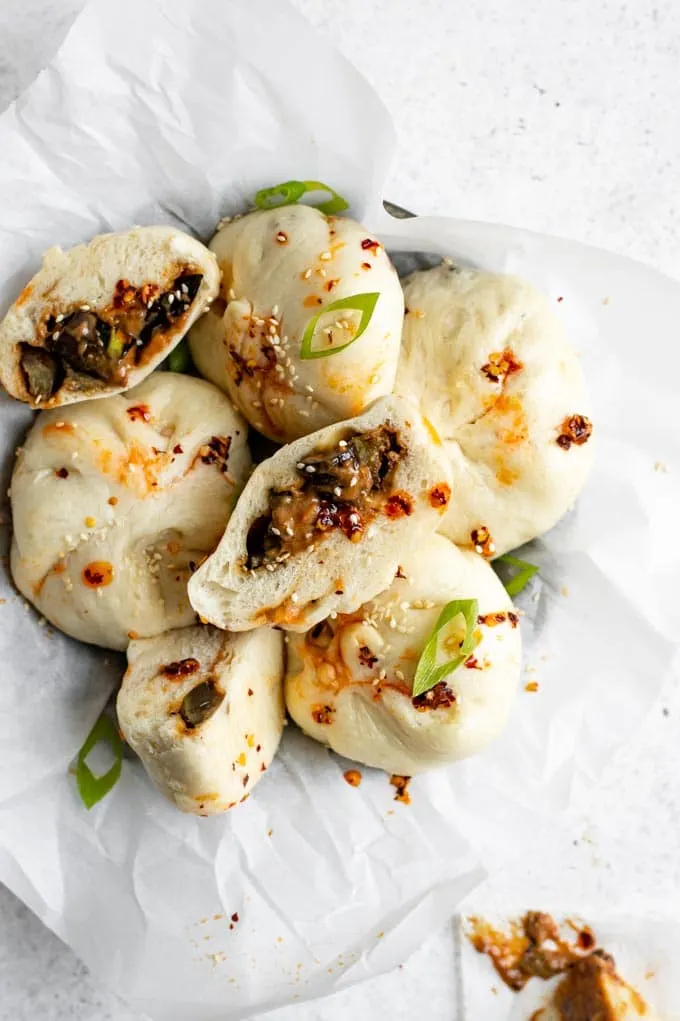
<point x="524" y="572"/>
<point x="364" y="303"/>
<point x="335" y="204"/>
<point x="93" y="788"/>
<point x="116" y="343"/>
<point x="290" y="192"/>
<point x="427" y="672"/>
<point x="179" y="359"/>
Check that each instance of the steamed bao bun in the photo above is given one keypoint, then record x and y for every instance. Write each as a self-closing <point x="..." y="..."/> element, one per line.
<point x="203" y="709"/>
<point x="280" y="268"/>
<point x="321" y="525"/>
<point x="487" y="359"/>
<point x="116" y="501"/>
<point x="95" y="320"/>
<point x="349" y="680"/>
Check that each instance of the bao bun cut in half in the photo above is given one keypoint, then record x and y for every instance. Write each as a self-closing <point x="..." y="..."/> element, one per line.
<point x="350" y="679"/>
<point x="115" y="502"/>
<point x="97" y="319"/>
<point x="487" y="359"/>
<point x="204" y="712"/>
<point x="312" y="324"/>
<point x="321" y="525"/>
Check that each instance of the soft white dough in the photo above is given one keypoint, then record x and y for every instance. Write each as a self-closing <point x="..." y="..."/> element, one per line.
<point x="510" y="475"/>
<point x="88" y="275"/>
<point x="336" y="574"/>
<point x="355" y="694"/>
<point x="211" y="766"/>
<point x="136" y="485"/>
<point x="273" y="289"/>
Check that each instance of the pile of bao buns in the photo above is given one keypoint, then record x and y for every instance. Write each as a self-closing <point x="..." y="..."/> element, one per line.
<point x="452" y="402"/>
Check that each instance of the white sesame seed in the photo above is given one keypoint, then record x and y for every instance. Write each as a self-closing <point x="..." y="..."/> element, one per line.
<point x="231" y="294"/>
<point x="275" y="310"/>
<point x="325" y="256"/>
<point x="399" y="675"/>
<point x="171" y="298"/>
<point x="56" y="334"/>
<point x="382" y="675"/>
<point x="185" y="289"/>
<point x="310" y="468"/>
<point x="342" y="443"/>
<point x="304" y="414"/>
<point x="270" y="567"/>
<point x="59" y="318"/>
<point x="274" y="531"/>
<point x="337" y="491"/>
<point x="307" y="274"/>
<point x="293" y="597"/>
<point x="309" y="389"/>
<point x="84" y="308"/>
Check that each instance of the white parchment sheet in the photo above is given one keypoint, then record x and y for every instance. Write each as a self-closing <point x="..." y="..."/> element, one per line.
<point x="168" y="111"/>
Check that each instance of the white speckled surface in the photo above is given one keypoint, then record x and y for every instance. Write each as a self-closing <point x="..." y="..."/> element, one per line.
<point x="561" y="117"/>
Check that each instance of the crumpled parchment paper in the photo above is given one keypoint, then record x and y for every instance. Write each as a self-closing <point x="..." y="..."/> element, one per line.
<point x="175" y="112"/>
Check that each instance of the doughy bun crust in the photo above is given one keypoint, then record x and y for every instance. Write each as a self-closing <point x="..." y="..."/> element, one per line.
<point x="336" y="575"/>
<point x="349" y="681"/>
<point x="487" y="359"/>
<point x="113" y="501"/>
<point x="91" y="275"/>
<point x="204" y="766"/>
<point x="280" y="269"/>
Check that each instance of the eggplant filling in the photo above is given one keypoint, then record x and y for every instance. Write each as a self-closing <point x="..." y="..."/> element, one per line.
<point x="105" y="346"/>
<point x="341" y="488"/>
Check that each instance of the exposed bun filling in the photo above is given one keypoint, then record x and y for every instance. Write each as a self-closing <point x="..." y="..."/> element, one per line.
<point x="341" y="488"/>
<point x="105" y="343"/>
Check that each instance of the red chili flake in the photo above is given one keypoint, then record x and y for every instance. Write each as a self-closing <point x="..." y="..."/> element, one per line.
<point x="492" y="619"/>
<point x="182" y="668"/>
<point x="330" y="284"/>
<point x="501" y="364"/>
<point x="482" y="541"/>
<point x="98" y="574"/>
<point x="586" y="939"/>
<point x="235" y="917"/>
<point x="245" y="780"/>
<point x="323" y="713"/>
<point x="369" y="245"/>
<point x="353" y="777"/>
<point x="399" y="505"/>
<point x="139" y="413"/>
<point x="560" y="298"/>
<point x="400" y="572"/>
<point x="531" y="686"/>
<point x="258" y="747"/>
<point x="575" y="429"/>
<point x="282" y="237"/>
<point x="113" y="500"/>
<point x="250" y="691"/>
<point x="472" y="663"/>
<point x="440" y="495"/>
<point x="400" y="783"/>
<point x="367" y="265"/>
<point x="438" y="697"/>
<point x="513" y="618"/>
<point x="178" y="449"/>
<point x="216" y="451"/>
<point x="263" y="768"/>
<point x="366" y="657"/>
<point x="62" y="473"/>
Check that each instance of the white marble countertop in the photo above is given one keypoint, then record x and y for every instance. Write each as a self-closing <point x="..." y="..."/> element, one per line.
<point x="561" y="117"/>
